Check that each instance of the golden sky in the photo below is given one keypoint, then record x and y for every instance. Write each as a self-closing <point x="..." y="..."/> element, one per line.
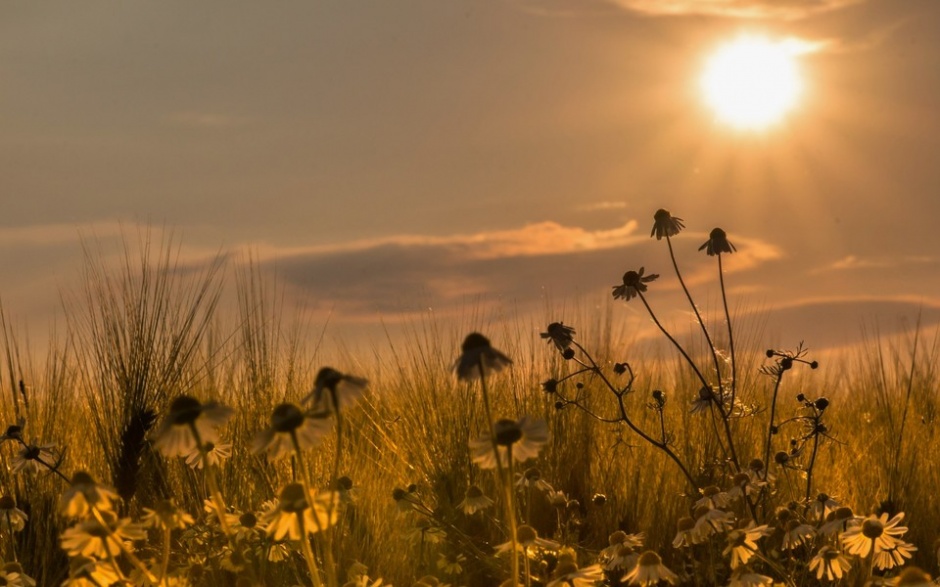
<point x="390" y="157"/>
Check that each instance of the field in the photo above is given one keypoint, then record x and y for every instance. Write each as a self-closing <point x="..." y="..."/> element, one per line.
<point x="717" y="459"/>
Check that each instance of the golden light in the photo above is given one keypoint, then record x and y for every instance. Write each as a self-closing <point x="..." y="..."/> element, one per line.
<point x="753" y="82"/>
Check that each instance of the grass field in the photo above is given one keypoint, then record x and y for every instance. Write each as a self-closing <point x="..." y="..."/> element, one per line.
<point x="368" y="481"/>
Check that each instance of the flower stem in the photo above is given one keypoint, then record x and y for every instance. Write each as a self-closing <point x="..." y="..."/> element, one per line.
<point x="734" y="363"/>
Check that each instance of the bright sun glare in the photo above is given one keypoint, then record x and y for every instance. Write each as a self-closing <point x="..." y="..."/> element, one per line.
<point x="752" y="82"/>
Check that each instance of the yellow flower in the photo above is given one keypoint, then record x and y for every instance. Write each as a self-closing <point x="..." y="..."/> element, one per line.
<point x="84" y="494"/>
<point x="300" y="512"/>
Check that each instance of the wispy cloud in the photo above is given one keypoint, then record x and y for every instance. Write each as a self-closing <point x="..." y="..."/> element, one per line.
<point x="853" y="262"/>
<point x="744" y="9"/>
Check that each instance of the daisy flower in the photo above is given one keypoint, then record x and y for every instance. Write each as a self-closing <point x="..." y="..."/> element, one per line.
<point x="560" y="335"/>
<point x="334" y="391"/>
<point x="796" y="534"/>
<point x="523" y="440"/>
<point x="634" y="283"/>
<point x="822" y="506"/>
<point x="710" y="521"/>
<point x="830" y="563"/>
<point x="649" y="570"/>
<point x="742" y="543"/>
<point x="85" y="571"/>
<point x="84" y="494"/>
<point x="212" y="453"/>
<point x="874" y="534"/>
<point x="300" y="512"/>
<point x="12" y="519"/>
<point x="837" y="521"/>
<point x="665" y="224"/>
<point x="567" y="574"/>
<point x="30" y="456"/>
<point x="531" y="478"/>
<point x="92" y="538"/>
<point x="451" y="564"/>
<point x="621" y="554"/>
<point x="713" y="497"/>
<point x="166" y="516"/>
<point x="291" y="429"/>
<point x="717" y="243"/>
<point x="894" y="557"/>
<point x="189" y="425"/>
<point x="685" y="533"/>
<point x="474" y="501"/>
<point x="476" y="355"/>
<point x="527" y="538"/>
<point x="745" y="578"/>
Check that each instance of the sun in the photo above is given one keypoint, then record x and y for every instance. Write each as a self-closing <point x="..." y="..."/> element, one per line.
<point x="753" y="82"/>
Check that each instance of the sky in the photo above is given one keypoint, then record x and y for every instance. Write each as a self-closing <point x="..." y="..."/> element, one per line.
<point x="387" y="161"/>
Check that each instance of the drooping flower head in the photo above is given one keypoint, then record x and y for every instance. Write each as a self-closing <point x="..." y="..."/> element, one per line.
<point x="717" y="243"/>
<point x="649" y="570"/>
<point x="334" y="391"/>
<point x="560" y="335"/>
<point x="91" y="537"/>
<point x="300" y="512"/>
<point x="478" y="355"/>
<point x="665" y="224"/>
<point x="634" y="283"/>
<point x="830" y="563"/>
<point x="190" y="425"/>
<point x="474" y="501"/>
<point x="291" y="430"/>
<point x="12" y="519"/>
<point x="84" y="494"/>
<point x="523" y="439"/>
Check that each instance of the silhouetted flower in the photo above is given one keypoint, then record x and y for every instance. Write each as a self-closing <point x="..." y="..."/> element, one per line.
<point x="717" y="243"/>
<point x="477" y="355"/>
<point x="190" y="425"/>
<point x="559" y="334"/>
<point x="633" y="283"/>
<point x="333" y="391"/>
<point x="665" y="224"/>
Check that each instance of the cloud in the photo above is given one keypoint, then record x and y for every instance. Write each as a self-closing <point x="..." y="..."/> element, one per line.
<point x="401" y="275"/>
<point x="745" y="9"/>
<point x="853" y="262"/>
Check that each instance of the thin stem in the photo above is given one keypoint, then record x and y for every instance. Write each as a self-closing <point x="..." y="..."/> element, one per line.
<point x="812" y="463"/>
<point x="698" y="316"/>
<point x="511" y="512"/>
<point x="674" y="342"/>
<point x="308" y="554"/>
<point x="165" y="563"/>
<point x="734" y="363"/>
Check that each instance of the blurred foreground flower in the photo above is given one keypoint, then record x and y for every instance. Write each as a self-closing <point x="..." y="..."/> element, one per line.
<point x="477" y="355"/>
<point x="334" y="391"/>
<point x="84" y="494"/>
<point x="291" y="430"/>
<point x="300" y="512"/>
<point x="92" y="538"/>
<point x="12" y="519"/>
<point x="190" y="425"/>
